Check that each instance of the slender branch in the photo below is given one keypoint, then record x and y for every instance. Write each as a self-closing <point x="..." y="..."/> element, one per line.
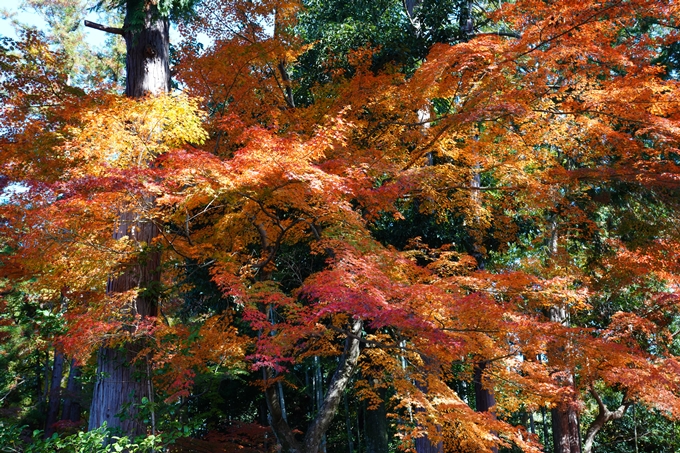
<point x="96" y="26"/>
<point x="373" y="343"/>
<point x="508" y="34"/>
<point x="585" y="111"/>
<point x="425" y="149"/>
<point x="666" y="24"/>
<point x="482" y="188"/>
<point x="585" y="21"/>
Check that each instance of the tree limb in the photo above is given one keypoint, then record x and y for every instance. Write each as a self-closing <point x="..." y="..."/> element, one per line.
<point x="336" y="388"/>
<point x="604" y="415"/>
<point x="96" y="26"/>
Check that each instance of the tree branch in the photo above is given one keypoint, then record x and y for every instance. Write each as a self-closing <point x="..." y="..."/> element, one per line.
<point x="604" y="415"/>
<point x="336" y="388"/>
<point x="96" y="26"/>
<point x="507" y="34"/>
<point x="284" y="433"/>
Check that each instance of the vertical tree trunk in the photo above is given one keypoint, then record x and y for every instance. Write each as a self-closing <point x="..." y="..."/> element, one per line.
<point x="348" y="425"/>
<point x="484" y="398"/>
<point x="375" y="431"/>
<point x="44" y="388"/>
<point x="425" y="444"/>
<point x="147" y="61"/>
<point x="122" y="382"/>
<point x="54" y="403"/>
<point x="546" y="434"/>
<point x="565" y="423"/>
<point x="122" y="378"/>
<point x="72" y="407"/>
<point x="116" y="393"/>
<point x="566" y="436"/>
<point x="318" y="385"/>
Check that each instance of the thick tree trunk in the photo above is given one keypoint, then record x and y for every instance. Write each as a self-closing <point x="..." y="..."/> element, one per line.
<point x="565" y="423"/>
<point x="72" y="407"/>
<point x="54" y="402"/>
<point x="484" y="398"/>
<point x="566" y="436"/>
<point x="121" y="382"/>
<point x="425" y="445"/>
<point x="117" y="392"/>
<point x="375" y="431"/>
<point x="319" y="426"/>
<point x="147" y="61"/>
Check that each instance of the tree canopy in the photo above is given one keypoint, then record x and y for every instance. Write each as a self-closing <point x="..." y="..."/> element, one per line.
<point x="423" y="226"/>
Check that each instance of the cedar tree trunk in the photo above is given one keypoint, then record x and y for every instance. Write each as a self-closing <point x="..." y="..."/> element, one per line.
<point x="375" y="426"/>
<point x="565" y="423"/>
<point x="71" y="409"/>
<point x="484" y="397"/>
<point x="121" y="381"/>
<point x="54" y="402"/>
<point x="424" y="444"/>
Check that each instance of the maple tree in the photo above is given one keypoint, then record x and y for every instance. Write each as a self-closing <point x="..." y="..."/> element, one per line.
<point x="495" y="206"/>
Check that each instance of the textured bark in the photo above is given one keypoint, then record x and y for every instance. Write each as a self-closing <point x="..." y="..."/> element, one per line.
<point x="566" y="436"/>
<point x="72" y="406"/>
<point x="329" y="406"/>
<point x="122" y="382"/>
<point x="116" y="393"/>
<point x="565" y="423"/>
<point x="277" y="420"/>
<point x="483" y="396"/>
<point x="144" y="273"/>
<point x="147" y="61"/>
<point x="54" y="403"/>
<point x="336" y="388"/>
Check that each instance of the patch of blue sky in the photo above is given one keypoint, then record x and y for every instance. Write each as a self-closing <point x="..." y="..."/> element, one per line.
<point x="14" y="11"/>
<point x="10" y="191"/>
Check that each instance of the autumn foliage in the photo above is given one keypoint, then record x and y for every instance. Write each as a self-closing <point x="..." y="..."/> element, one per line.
<point x="455" y="209"/>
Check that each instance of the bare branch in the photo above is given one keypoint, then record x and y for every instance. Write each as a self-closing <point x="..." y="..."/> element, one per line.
<point x="96" y="26"/>
<point x="508" y="34"/>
